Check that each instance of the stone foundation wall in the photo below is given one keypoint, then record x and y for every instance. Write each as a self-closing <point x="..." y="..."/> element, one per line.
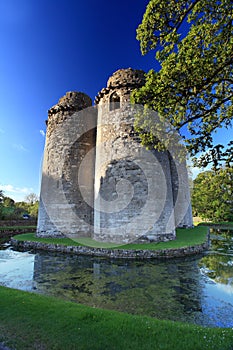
<point x="29" y="222"/>
<point x="115" y="253"/>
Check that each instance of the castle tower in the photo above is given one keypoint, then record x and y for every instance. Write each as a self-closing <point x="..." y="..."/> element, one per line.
<point x="133" y="187"/>
<point x="99" y="181"/>
<point x="71" y="129"/>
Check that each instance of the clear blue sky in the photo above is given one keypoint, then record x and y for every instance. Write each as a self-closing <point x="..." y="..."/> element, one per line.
<point x="50" y="47"/>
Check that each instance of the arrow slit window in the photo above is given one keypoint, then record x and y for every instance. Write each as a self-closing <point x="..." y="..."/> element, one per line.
<point x="114" y="102"/>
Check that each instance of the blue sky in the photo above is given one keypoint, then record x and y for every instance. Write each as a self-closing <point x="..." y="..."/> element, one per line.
<point x="47" y="48"/>
<point x="50" y="47"/>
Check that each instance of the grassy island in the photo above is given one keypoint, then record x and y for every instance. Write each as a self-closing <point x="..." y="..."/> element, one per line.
<point x="185" y="238"/>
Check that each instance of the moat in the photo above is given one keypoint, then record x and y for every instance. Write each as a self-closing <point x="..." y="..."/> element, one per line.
<point x="196" y="289"/>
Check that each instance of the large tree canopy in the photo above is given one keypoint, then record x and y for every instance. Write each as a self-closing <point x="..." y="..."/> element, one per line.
<point x="212" y="195"/>
<point x="193" y="41"/>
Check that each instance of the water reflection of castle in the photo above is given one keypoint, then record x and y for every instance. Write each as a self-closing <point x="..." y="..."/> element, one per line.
<point x="170" y="289"/>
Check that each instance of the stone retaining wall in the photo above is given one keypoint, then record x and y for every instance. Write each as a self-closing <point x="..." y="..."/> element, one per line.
<point x="11" y="232"/>
<point x="218" y="226"/>
<point x="30" y="222"/>
<point x="114" y="253"/>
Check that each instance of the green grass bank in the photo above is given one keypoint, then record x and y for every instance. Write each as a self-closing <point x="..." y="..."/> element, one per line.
<point x="185" y="238"/>
<point x="30" y="321"/>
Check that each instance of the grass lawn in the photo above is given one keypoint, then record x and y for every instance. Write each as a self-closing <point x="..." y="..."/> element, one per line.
<point x="31" y="321"/>
<point x="185" y="238"/>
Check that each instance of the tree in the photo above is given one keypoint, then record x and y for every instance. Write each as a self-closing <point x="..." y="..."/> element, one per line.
<point x="7" y="207"/>
<point x="1" y="196"/>
<point x="30" y="206"/>
<point x="31" y="198"/>
<point x="33" y="209"/>
<point x="1" y="205"/>
<point x="8" y="202"/>
<point x="212" y="196"/>
<point x="194" y="87"/>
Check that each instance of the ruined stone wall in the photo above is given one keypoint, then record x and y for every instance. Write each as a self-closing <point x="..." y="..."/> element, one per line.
<point x="133" y="190"/>
<point x="70" y="136"/>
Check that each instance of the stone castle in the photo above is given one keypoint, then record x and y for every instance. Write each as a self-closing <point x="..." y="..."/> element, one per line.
<point x="99" y="181"/>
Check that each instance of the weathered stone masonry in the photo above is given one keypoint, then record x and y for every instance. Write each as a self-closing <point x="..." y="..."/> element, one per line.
<point x="94" y="162"/>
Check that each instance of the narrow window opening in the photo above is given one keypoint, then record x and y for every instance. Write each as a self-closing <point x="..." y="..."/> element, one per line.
<point x="114" y="102"/>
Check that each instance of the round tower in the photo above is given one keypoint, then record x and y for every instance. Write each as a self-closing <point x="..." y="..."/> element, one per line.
<point x="133" y="189"/>
<point x="71" y="128"/>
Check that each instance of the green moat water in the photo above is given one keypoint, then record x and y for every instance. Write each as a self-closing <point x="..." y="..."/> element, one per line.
<point x="197" y="290"/>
